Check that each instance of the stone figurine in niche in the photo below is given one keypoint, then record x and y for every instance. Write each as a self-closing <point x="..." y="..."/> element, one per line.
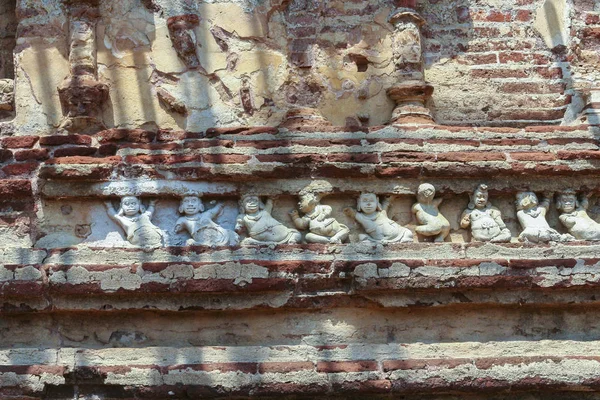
<point x="200" y="224"/>
<point x="575" y="217"/>
<point x="261" y="228"/>
<point x="532" y="217"/>
<point x="372" y="215"/>
<point x="135" y="219"/>
<point x="432" y="222"/>
<point x="317" y="218"/>
<point x="485" y="220"/>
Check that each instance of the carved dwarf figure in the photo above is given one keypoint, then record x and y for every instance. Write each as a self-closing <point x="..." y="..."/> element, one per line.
<point x="485" y="220"/>
<point x="575" y="217"/>
<point x="317" y="218"/>
<point x="201" y="226"/>
<point x="135" y="220"/>
<point x="532" y="217"/>
<point x="432" y="222"/>
<point x="372" y="215"/>
<point x="255" y="218"/>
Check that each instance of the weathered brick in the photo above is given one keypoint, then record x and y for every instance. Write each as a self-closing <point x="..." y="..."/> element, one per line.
<point x="17" y="142"/>
<point x="532" y="156"/>
<point x="347" y="366"/>
<point x="20" y="168"/>
<point x="58" y="140"/>
<point x="465" y="156"/>
<point x="31" y="154"/>
<point x="284" y="367"/>
<point x="15" y="187"/>
<point x="75" y="151"/>
<point x="127" y="135"/>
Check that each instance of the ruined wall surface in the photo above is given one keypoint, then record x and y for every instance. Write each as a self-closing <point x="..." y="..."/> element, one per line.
<point x="161" y="99"/>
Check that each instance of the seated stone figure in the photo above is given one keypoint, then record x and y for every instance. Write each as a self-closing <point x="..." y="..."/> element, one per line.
<point x="256" y="220"/>
<point x="201" y="226"/>
<point x="372" y="215"/>
<point x="575" y="217"/>
<point x="135" y="220"/>
<point x="432" y="222"/>
<point x="317" y="218"/>
<point x="532" y="217"/>
<point x="485" y="220"/>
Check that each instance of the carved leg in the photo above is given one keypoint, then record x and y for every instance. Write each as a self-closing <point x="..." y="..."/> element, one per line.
<point x="314" y="238"/>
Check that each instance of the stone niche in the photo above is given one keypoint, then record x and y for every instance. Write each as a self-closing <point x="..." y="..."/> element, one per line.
<point x="86" y="222"/>
<point x="8" y="29"/>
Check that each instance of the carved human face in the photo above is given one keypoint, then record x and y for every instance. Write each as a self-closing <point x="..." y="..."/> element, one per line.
<point x="307" y="203"/>
<point x="251" y="204"/>
<point x="568" y="202"/>
<point x="191" y="205"/>
<point x="529" y="201"/>
<point x="368" y="203"/>
<point x="130" y="205"/>
<point x="425" y="193"/>
<point x="480" y="199"/>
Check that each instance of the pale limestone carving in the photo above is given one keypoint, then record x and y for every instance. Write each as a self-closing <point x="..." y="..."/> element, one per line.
<point x="201" y="226"/>
<point x="317" y="218"/>
<point x="575" y="217"/>
<point x="135" y="220"/>
<point x="485" y="220"/>
<point x="255" y="218"/>
<point x="372" y="215"/>
<point x="532" y="216"/>
<point x="432" y="222"/>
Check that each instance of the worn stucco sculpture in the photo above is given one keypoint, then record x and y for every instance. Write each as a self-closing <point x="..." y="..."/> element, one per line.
<point x="484" y="219"/>
<point x="575" y="217"/>
<point x="200" y="224"/>
<point x="532" y="217"/>
<point x="135" y="219"/>
<point x="323" y="228"/>
<point x="261" y="228"/>
<point x="432" y="222"/>
<point x="372" y="215"/>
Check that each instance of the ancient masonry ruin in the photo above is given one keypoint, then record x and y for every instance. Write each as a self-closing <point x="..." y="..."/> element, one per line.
<point x="300" y="199"/>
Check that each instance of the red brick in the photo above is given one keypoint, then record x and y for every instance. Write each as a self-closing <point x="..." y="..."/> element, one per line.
<point x="15" y="187"/>
<point x="85" y="160"/>
<point x="16" y="142"/>
<point x="58" y="140"/>
<point x="169" y="136"/>
<point x="206" y="143"/>
<point x="153" y="146"/>
<point x="225" y="158"/>
<point x="353" y="157"/>
<point x="291" y="158"/>
<point x="540" y="115"/>
<point x="523" y="15"/>
<point x="591" y="18"/>
<point x="75" y="151"/>
<point x="478" y="59"/>
<point x="5" y="155"/>
<point x="410" y="171"/>
<point x="127" y="135"/>
<point x="465" y="156"/>
<point x="498" y="16"/>
<point x="496" y="73"/>
<point x="549" y="72"/>
<point x="20" y="168"/>
<point x="109" y="149"/>
<point x="407" y="156"/>
<point x="346" y="366"/>
<point x="269" y="144"/>
<point x="532" y="87"/>
<point x="532" y="156"/>
<point x="370" y="386"/>
<point x="578" y="154"/>
<point x="163" y="159"/>
<point x="32" y="154"/>
<point x="284" y="367"/>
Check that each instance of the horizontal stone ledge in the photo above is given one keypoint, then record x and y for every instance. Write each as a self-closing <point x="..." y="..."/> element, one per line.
<point x="399" y="185"/>
<point x="310" y="376"/>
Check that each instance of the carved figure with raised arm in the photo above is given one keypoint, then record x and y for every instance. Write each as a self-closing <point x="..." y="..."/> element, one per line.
<point x="432" y="222"/>
<point x="201" y="225"/>
<point x="484" y="219"/>
<point x="575" y="217"/>
<point x="323" y="228"/>
<point x="372" y="215"/>
<point x="135" y="220"/>
<point x="532" y="217"/>
<point x="261" y="228"/>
